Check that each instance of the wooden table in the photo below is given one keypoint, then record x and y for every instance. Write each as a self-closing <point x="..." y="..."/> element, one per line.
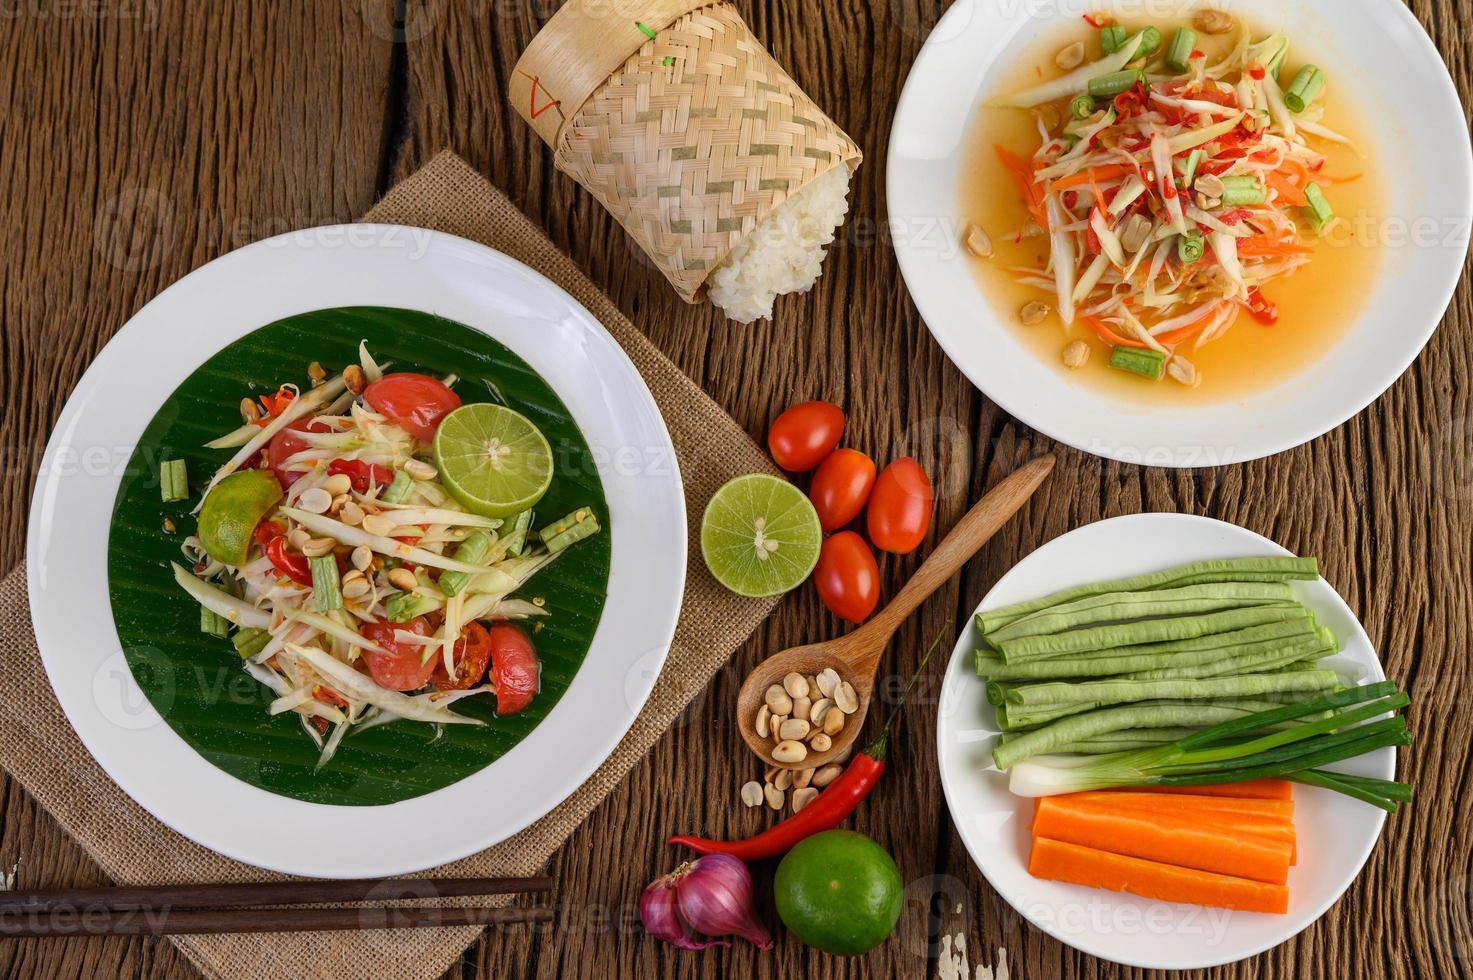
<point x="142" y="138"/>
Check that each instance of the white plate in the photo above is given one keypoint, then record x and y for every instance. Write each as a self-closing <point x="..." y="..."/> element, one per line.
<point x="354" y="265"/>
<point x="1423" y="143"/>
<point x="1335" y="833"/>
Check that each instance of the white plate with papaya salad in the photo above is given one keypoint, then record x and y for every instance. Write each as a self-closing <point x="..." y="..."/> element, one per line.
<point x="1180" y="235"/>
<point x="388" y="549"/>
<point x="1168" y="742"/>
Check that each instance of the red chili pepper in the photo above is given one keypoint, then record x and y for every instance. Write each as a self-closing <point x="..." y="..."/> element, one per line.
<point x="267" y="531"/>
<point x="289" y="563"/>
<point x="1099" y="20"/>
<point x="827" y="810"/>
<point x="361" y="474"/>
<point x="327" y="696"/>
<point x="1264" y="310"/>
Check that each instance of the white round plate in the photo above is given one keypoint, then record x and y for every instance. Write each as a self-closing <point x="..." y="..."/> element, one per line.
<point x="1412" y="107"/>
<point x="1335" y="833"/>
<point x="354" y="265"/>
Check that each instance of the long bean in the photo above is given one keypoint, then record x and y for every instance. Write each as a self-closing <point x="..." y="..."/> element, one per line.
<point x="1258" y="661"/>
<point x="1114" y="607"/>
<point x="1018" y="718"/>
<point x="1179" y="55"/>
<point x="1145" y="631"/>
<point x="1117" y="691"/>
<point x="1195" y="573"/>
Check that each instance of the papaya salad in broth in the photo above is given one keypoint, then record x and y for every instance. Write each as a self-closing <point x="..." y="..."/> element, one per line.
<point x="364" y="547"/>
<point x="1174" y="179"/>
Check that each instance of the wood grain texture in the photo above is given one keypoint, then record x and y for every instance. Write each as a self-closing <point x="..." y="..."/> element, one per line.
<point x="141" y="138"/>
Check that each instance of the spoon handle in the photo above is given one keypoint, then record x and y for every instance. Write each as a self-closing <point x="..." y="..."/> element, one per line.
<point x="965" y="540"/>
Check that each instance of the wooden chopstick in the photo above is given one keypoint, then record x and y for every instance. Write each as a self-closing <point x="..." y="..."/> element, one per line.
<point x="63" y="921"/>
<point x="264" y="893"/>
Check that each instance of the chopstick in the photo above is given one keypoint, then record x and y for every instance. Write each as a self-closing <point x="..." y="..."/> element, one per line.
<point x="266" y="893"/>
<point x="197" y="909"/>
<point x="165" y="922"/>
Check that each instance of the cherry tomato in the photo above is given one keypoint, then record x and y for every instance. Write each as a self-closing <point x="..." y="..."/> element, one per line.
<point x="362" y="474"/>
<point x="900" y="507"/>
<point x="286" y="444"/>
<point x="804" y="435"/>
<point x="402" y="668"/>
<point x="514" y="668"/>
<point x="847" y="577"/>
<point x="472" y="654"/>
<point x="841" y="487"/>
<point x="414" y="402"/>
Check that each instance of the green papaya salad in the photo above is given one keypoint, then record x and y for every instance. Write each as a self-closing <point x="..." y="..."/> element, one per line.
<point x="364" y="548"/>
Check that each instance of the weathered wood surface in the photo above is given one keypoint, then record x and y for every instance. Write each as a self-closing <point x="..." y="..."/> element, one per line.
<point x="141" y="138"/>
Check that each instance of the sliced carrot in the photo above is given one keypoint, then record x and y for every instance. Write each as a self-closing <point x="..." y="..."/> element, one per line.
<point x="1247" y="824"/>
<point x="1174" y="803"/>
<point x="1023" y="177"/>
<point x="1264" y="245"/>
<point x="1093" y="176"/>
<point x="1106" y="334"/>
<point x="1288" y="193"/>
<point x="1163" y="837"/>
<point x="1058" y="861"/>
<point x="1252" y="789"/>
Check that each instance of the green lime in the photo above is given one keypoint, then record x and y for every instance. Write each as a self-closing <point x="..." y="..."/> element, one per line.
<point x="760" y="535"/>
<point x="839" y="891"/>
<point x="493" y="460"/>
<point x="233" y="509"/>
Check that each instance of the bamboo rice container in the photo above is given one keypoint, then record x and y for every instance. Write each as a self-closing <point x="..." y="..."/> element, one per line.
<point x="678" y="120"/>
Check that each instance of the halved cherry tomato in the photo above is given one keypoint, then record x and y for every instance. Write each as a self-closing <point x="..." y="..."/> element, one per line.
<point x="841" y="487"/>
<point x="472" y="654"/>
<point x="514" y="668"/>
<point x="403" y="667"/>
<point x="292" y="564"/>
<point x="286" y="444"/>
<point x="900" y="507"/>
<point x="847" y="577"/>
<point x="804" y="435"/>
<point x="361" y="474"/>
<point x="414" y="402"/>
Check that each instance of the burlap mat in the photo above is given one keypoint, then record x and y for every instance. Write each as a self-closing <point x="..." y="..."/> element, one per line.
<point x="39" y="749"/>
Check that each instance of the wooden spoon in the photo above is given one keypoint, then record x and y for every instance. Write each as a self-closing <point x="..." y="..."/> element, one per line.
<point x="856" y="656"/>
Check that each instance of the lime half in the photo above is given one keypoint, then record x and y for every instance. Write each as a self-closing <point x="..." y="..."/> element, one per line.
<point x="493" y="460"/>
<point x="760" y="536"/>
<point x="232" y="510"/>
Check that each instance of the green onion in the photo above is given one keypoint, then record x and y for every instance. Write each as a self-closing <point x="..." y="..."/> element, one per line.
<point x="1194" y="163"/>
<point x="1150" y="42"/>
<point x="1147" y="363"/>
<point x="1082" y="107"/>
<point x="1179" y="55"/>
<point x="1191" y="247"/>
<point x="1241" y="191"/>
<point x="173" y="480"/>
<point x="404" y="606"/>
<point x="1276" y="63"/>
<point x="326" y="586"/>
<point x="1306" y="86"/>
<point x="398" y="489"/>
<point x="212" y="622"/>
<point x="1254" y="746"/>
<point x="516" y="536"/>
<point x="1320" y="211"/>
<point x="474" y="550"/>
<point x="1115" y="83"/>
<point x="250" y="641"/>
<point x="1112" y="38"/>
<point x="580" y="524"/>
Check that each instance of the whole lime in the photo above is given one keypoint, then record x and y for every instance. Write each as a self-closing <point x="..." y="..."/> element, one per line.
<point x="839" y="891"/>
<point x="232" y="510"/>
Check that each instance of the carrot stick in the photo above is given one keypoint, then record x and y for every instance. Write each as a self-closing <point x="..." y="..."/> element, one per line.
<point x="1093" y="176"/>
<point x="1247" y="824"/>
<point x="1288" y="193"/>
<point x="1057" y="861"/>
<point x="1186" y="805"/>
<point x="1253" y="789"/>
<point x="1264" y="245"/>
<point x="1023" y="177"/>
<point x="1164" y="838"/>
<point x="1106" y="334"/>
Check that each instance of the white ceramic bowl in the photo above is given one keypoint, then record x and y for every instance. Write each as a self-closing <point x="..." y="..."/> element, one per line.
<point x="1380" y="59"/>
<point x="1335" y="833"/>
<point x="353" y="265"/>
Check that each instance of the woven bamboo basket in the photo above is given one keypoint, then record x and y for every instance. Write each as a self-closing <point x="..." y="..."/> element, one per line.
<point x="678" y="120"/>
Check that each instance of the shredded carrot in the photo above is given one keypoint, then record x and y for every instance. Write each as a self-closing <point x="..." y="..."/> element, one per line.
<point x="1266" y="245"/>
<point x="1288" y="193"/>
<point x="1327" y="179"/>
<point x="1106" y="334"/>
<point x="1058" y="861"/>
<point x="1032" y="196"/>
<point x="1190" y="330"/>
<point x="1163" y="837"/>
<point x="1092" y="176"/>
